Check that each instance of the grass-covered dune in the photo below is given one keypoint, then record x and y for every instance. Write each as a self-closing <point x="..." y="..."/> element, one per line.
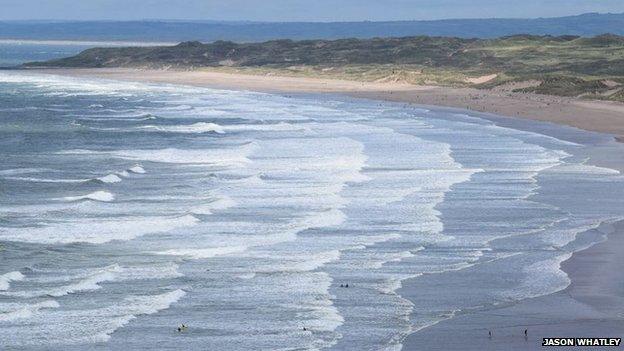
<point x="564" y="65"/>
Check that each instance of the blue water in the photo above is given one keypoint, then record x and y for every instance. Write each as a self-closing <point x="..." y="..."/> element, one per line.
<point x="13" y="52"/>
<point x="16" y="52"/>
<point x="127" y="209"/>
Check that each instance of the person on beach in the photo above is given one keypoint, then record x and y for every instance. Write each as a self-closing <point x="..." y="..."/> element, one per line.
<point x="490" y="334"/>
<point x="526" y="333"/>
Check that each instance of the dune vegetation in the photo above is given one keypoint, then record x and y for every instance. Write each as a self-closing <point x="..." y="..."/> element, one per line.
<point x="563" y="65"/>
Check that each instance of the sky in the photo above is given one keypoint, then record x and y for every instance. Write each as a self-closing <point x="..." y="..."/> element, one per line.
<point x="297" y="10"/>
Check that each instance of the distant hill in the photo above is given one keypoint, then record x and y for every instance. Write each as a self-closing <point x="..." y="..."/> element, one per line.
<point x="277" y="53"/>
<point x="522" y="54"/>
<point x="561" y="65"/>
<point x="207" y="31"/>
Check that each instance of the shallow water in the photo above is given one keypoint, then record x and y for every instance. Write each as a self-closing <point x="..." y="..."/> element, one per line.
<point x="129" y="208"/>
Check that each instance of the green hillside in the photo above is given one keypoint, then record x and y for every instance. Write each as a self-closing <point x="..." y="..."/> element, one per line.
<point x="565" y="65"/>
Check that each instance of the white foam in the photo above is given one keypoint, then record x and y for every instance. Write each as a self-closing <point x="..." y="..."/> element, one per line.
<point x="249" y="275"/>
<point x="559" y="237"/>
<point x="205" y="127"/>
<point x="101" y="195"/>
<point x="315" y="304"/>
<point x="78" y="152"/>
<point x="329" y="218"/>
<point x="390" y="286"/>
<point x="7" y="278"/>
<point x="111" y="178"/>
<point x="98" y="231"/>
<point x="59" y="327"/>
<point x="65" y="86"/>
<point x="89" y="283"/>
<point x="137" y="169"/>
<point x="232" y="156"/>
<point x="393" y="347"/>
<point x="15" y="171"/>
<point x="541" y="278"/>
<point x="24" y="311"/>
<point x="302" y="264"/>
<point x="139" y="116"/>
<point x="132" y="307"/>
<point x="47" y="180"/>
<point x="584" y="169"/>
<point x="282" y="127"/>
<point x="165" y="270"/>
<point x="224" y="202"/>
<point x="90" y="280"/>
<point x="392" y="257"/>
<point x="201" y="127"/>
<point x="202" y="253"/>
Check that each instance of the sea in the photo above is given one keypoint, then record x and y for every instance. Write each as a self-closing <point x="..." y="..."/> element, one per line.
<point x="272" y="221"/>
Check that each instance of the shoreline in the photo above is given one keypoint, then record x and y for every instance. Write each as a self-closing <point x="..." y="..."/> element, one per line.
<point x="590" y="115"/>
<point x="583" y="309"/>
<point x="591" y="306"/>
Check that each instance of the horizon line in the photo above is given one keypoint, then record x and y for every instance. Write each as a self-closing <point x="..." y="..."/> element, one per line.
<point x="52" y="20"/>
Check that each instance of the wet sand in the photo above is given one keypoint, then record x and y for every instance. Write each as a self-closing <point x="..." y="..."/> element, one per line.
<point x="592" y="306"/>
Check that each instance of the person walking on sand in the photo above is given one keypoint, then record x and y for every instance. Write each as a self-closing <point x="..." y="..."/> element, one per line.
<point x="526" y="333"/>
<point x="490" y="334"/>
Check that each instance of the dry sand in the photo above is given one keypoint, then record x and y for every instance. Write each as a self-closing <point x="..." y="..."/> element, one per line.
<point x="598" y="116"/>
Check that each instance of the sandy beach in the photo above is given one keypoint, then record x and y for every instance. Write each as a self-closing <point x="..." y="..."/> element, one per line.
<point x="597" y="116"/>
<point x="591" y="306"/>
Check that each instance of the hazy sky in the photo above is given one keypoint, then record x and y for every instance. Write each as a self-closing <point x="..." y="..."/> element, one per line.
<point x="298" y="10"/>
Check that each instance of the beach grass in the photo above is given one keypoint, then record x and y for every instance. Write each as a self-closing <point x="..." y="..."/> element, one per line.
<point x="563" y="66"/>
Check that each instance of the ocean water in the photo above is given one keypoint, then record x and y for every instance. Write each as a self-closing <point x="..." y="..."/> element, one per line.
<point x="127" y="209"/>
<point x="14" y="52"/>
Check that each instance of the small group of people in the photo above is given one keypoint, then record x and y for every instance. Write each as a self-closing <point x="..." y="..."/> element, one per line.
<point x="182" y="328"/>
<point x="344" y="285"/>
